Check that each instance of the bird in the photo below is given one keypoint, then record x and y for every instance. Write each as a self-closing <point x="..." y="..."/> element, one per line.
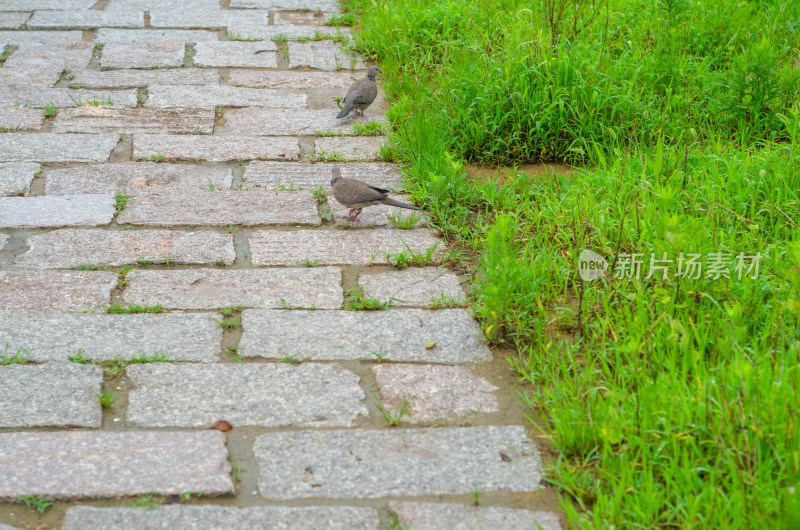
<point x="361" y="94"/>
<point x="356" y="195"/>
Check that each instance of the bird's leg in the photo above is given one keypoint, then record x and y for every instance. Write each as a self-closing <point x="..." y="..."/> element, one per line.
<point x="357" y="212"/>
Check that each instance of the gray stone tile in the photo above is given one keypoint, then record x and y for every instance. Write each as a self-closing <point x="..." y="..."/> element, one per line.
<point x="150" y="5"/>
<point x="50" y="395"/>
<point x="339" y="247"/>
<point x="41" y="96"/>
<point x="360" y="148"/>
<point x="64" y="54"/>
<point x="376" y="216"/>
<point x="322" y="55"/>
<point x="142" y="55"/>
<point x="287" y="5"/>
<point x="267" y="395"/>
<point x="3" y="239"/>
<point x="414" y="287"/>
<point x="213" y="148"/>
<point x="86" y="464"/>
<point x="335" y="335"/>
<point x="239" y="54"/>
<point x="382" y="463"/>
<point x="441" y="394"/>
<point x="230" y="518"/>
<point x="48" y="147"/>
<point x="254" y="29"/>
<point x="16" y="177"/>
<point x="153" y="35"/>
<point x="144" y="78"/>
<point x="290" y="79"/>
<point x="273" y="174"/>
<point x="45" y="75"/>
<point x="136" y="177"/>
<point x="213" y="17"/>
<point x="31" y="5"/>
<point x="20" y="38"/>
<point x="102" y="337"/>
<point x="21" y="118"/>
<point x="70" y="247"/>
<point x="319" y="288"/>
<point x="300" y="18"/>
<point x="226" y="96"/>
<point x="55" y="211"/>
<point x="88" y="119"/>
<point x="85" y="19"/>
<point x="245" y="208"/>
<point x="48" y="291"/>
<point x="276" y="122"/>
<point x="433" y="516"/>
<point x="13" y="19"/>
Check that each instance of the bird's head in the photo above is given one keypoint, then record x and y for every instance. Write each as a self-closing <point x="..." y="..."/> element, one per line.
<point x="373" y="70"/>
<point x="336" y="174"/>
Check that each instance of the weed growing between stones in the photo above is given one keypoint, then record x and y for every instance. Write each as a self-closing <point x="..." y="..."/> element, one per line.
<point x="358" y="299"/>
<point x="394" y="419"/>
<point x="20" y="356"/>
<point x="37" y="503"/>
<point x="404" y="223"/>
<point x="134" y="308"/>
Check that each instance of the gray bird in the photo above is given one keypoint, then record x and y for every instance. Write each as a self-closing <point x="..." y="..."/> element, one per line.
<point x="361" y="94"/>
<point x="356" y="195"/>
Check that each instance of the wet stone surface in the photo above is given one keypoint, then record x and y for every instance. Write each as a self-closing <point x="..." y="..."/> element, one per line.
<point x="16" y="177"/>
<point x="432" y="516"/>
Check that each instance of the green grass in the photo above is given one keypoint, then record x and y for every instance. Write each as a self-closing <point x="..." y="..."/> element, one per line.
<point x="358" y="300"/>
<point x="669" y="402"/>
<point x="106" y="398"/>
<point x="134" y="308"/>
<point x="20" y="356"/>
<point x="116" y="366"/>
<point x="37" y="503"/>
<point x="121" y="199"/>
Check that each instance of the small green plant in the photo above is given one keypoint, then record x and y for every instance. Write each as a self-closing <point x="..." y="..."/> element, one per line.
<point x="233" y="352"/>
<point x="19" y="357"/>
<point x="394" y="524"/>
<point x="380" y="354"/>
<point x="50" y="110"/>
<point x="100" y="102"/>
<point x="141" y="97"/>
<point x="198" y="129"/>
<point x="211" y="186"/>
<point x="324" y="156"/>
<point x="477" y="493"/>
<point x="221" y="262"/>
<point x="151" y="501"/>
<point x="310" y="263"/>
<point x="121" y="273"/>
<point x="327" y="215"/>
<point x="106" y="398"/>
<point x="91" y="267"/>
<point x="279" y="38"/>
<point x="404" y="223"/>
<point x="443" y="302"/>
<point x="358" y="299"/>
<point x="345" y="19"/>
<point x="231" y="228"/>
<point x="156" y="158"/>
<point x="121" y="200"/>
<point x="219" y="109"/>
<point x="372" y="128"/>
<point x="321" y="194"/>
<point x="230" y="311"/>
<point x="237" y="37"/>
<point x="291" y="187"/>
<point x="134" y="308"/>
<point x="288" y="359"/>
<point x="394" y="419"/>
<point x="37" y="503"/>
<point x="228" y="324"/>
<point x="79" y="358"/>
<point x="326" y="134"/>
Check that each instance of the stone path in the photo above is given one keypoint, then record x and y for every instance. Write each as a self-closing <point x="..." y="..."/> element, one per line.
<point x="174" y="156"/>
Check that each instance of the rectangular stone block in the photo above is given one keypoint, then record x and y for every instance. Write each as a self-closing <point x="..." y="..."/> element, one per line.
<point x="251" y="121"/>
<point x="213" y="148"/>
<point x="19" y="38"/>
<point x="340" y="247"/>
<point x="45" y="75"/>
<point x="414" y="287"/>
<point x="436" y="515"/>
<point x="142" y="55"/>
<point x="361" y="148"/>
<point x="225" y="96"/>
<point x="140" y="36"/>
<point x="403" y="335"/>
<point x="102" y="337"/>
<point x="287" y="5"/>
<point x="21" y="118"/>
<point x="350" y="464"/>
<point x="86" y="464"/>
<point x="48" y="291"/>
<point x="255" y="29"/>
<point x="13" y="19"/>
<point x="88" y="119"/>
<point x="55" y="211"/>
<point x="16" y="177"/>
<point x="41" y="96"/>
<point x="323" y="55"/>
<point x="3" y="239"/>
<point x="319" y="288"/>
<point x="228" y="54"/>
<point x="267" y="395"/>
<point x="144" y="78"/>
<point x="31" y="5"/>
<point x="50" y="395"/>
<point x="290" y="79"/>
<point x="70" y="247"/>
<point x="135" y="178"/>
<point x="49" y="147"/>
<point x="208" y="17"/>
<point x="270" y="175"/>
<point x="64" y="54"/>
<point x="300" y="18"/>
<point x="85" y="19"/>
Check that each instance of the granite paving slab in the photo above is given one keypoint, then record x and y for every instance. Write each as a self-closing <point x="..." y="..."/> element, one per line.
<point x="39" y="96"/>
<point x="273" y="174"/>
<point x="433" y="516"/>
<point x="254" y="29"/>
<point x="287" y="5"/>
<point x="64" y="54"/>
<point x="16" y="177"/>
<point x="236" y="54"/>
<point x="48" y="291"/>
<point x="335" y="247"/>
<point x="415" y="287"/>
<point x="382" y="463"/>
<point x="135" y="178"/>
<point x="204" y="17"/>
<point x="44" y="75"/>
<point x="359" y="148"/>
<point x="318" y="288"/>
<point x="144" y="78"/>
<point x="213" y="148"/>
<point x="149" y="5"/>
<point x="378" y="216"/>
<point x="20" y="118"/>
<point x="252" y="121"/>
<point x="403" y="335"/>
<point x="13" y="19"/>
<point x="300" y="18"/>
<point x="226" y="96"/>
<point x="86" y="464"/>
<point x="85" y="19"/>
<point x="3" y="239"/>
<point x="19" y="38"/>
<point x="267" y="395"/>
<point x="322" y="55"/>
<point x="244" y="208"/>
<point x="31" y="5"/>
<point x="49" y="147"/>
<point x="50" y="395"/>
<point x="55" y="211"/>
<point x="70" y="247"/>
<point x="290" y="79"/>
<point x="153" y="35"/>
<point x="131" y="121"/>
<point x="102" y="337"/>
<point x="142" y="54"/>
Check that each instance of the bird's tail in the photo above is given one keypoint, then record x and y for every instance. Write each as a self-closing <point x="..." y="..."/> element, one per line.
<point x="348" y="108"/>
<point x="392" y="202"/>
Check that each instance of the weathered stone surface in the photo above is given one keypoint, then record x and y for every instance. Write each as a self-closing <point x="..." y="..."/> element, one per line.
<point x="442" y="394"/>
<point x="19" y="38"/>
<point x="70" y="247"/>
<point x="86" y="464"/>
<point x="335" y="247"/>
<point x="40" y="96"/>
<point x="273" y="174"/>
<point x="378" y="215"/>
<point x="45" y="75"/>
<point x="268" y="395"/>
<point x="254" y="29"/>
<point x="287" y="5"/>
<point x="48" y="147"/>
<point x="360" y="148"/>
<point x="62" y="210"/>
<point x="31" y="5"/>
<point x="219" y="95"/>
<point x="207" y="17"/>
<point x="88" y="119"/>
<point x="327" y="335"/>
<point x="85" y="19"/>
<point x="47" y="291"/>
<point x="414" y="287"/>
<point x="50" y="395"/>
<point x="211" y="288"/>
<point x="433" y="516"/>
<point x="102" y="336"/>
<point x="213" y="149"/>
<point x="240" y="54"/>
<point x="154" y="35"/>
<point x="371" y="464"/>
<point x="230" y="518"/>
<point x="276" y="122"/>
<point x="136" y="177"/>
<point x="289" y="79"/>
<point x="13" y="19"/>
<point x="322" y="55"/>
<point x="16" y="177"/>
<point x="222" y="208"/>
<point x="300" y="18"/>
<point x="142" y="55"/>
<point x="150" y="5"/>
<point x="3" y="239"/>
<point x="144" y="78"/>
<point x="21" y="118"/>
<point x="62" y="54"/>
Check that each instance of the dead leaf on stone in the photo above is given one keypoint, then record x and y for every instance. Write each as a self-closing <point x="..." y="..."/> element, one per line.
<point x="504" y="457"/>
<point x="222" y="425"/>
<point x="430" y="346"/>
